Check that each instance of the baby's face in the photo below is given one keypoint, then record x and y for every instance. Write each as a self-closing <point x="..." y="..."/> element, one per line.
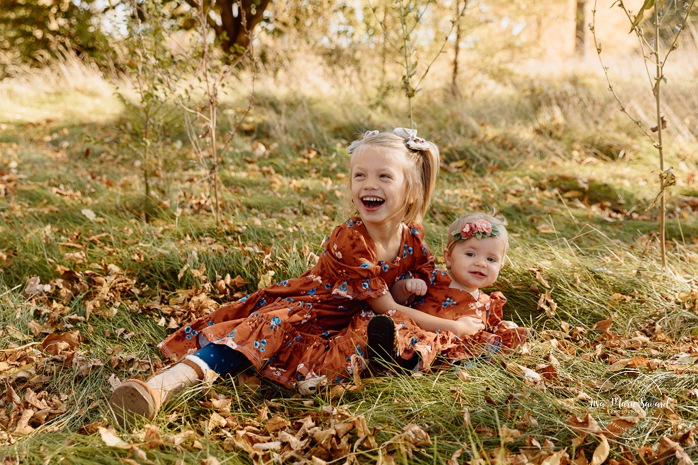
<point x="475" y="263"/>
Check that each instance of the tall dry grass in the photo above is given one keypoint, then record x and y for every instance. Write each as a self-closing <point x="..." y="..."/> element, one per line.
<point x="71" y="89"/>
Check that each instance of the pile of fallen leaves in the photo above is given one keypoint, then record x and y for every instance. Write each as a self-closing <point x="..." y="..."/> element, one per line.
<point x="28" y="368"/>
<point x="272" y="437"/>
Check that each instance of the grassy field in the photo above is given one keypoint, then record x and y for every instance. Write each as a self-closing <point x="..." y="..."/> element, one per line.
<point x="88" y="288"/>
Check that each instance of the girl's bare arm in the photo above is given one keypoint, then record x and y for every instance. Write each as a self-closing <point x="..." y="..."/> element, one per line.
<point x="425" y="321"/>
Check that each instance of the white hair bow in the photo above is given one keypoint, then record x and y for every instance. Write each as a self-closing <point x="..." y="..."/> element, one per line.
<point x="356" y="143"/>
<point x="411" y="140"/>
<point x="408" y="135"/>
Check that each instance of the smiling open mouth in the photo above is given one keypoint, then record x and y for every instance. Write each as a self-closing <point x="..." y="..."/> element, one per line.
<point x="372" y="202"/>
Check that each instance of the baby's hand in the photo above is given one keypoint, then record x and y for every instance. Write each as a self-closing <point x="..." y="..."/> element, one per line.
<point x="415" y="286"/>
<point x="509" y="324"/>
<point x="467" y="326"/>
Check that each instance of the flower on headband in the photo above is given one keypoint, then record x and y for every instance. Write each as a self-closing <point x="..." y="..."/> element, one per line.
<point x="411" y="140"/>
<point x="478" y="229"/>
<point x="357" y="142"/>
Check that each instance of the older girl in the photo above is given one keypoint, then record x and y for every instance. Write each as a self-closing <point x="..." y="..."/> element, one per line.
<point x="313" y="327"/>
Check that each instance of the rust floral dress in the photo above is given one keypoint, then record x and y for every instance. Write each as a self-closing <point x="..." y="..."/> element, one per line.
<point x="437" y="348"/>
<point x="315" y="324"/>
<point x="449" y="303"/>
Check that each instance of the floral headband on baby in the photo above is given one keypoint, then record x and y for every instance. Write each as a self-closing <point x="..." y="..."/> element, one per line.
<point x="478" y="229"/>
<point x="412" y="142"/>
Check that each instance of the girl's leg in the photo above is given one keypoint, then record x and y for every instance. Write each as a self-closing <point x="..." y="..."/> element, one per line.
<point x="381" y="340"/>
<point x="134" y="397"/>
<point x="221" y="359"/>
<point x="381" y="346"/>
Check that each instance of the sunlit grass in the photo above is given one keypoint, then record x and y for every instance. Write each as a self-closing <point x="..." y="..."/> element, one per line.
<point x="70" y="90"/>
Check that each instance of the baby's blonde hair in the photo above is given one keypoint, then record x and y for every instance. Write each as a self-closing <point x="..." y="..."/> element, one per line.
<point x="500" y="223"/>
<point x="421" y="180"/>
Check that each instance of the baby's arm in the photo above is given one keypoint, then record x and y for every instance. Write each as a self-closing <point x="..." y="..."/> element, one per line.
<point x="403" y="289"/>
<point x="462" y="329"/>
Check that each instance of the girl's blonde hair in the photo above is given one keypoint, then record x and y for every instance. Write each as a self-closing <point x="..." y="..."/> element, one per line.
<point x="421" y="180"/>
<point x="458" y="225"/>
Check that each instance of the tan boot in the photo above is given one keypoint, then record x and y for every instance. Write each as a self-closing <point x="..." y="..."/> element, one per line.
<point x="135" y="398"/>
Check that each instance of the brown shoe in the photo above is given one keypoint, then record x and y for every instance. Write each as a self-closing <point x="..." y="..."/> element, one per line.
<point x="381" y="340"/>
<point x="134" y="398"/>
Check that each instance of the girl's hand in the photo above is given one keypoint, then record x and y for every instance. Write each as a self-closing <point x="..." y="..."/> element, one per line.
<point x="415" y="286"/>
<point x="466" y="326"/>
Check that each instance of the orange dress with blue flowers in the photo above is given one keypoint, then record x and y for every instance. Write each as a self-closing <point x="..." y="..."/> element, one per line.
<point x="315" y="324"/>
<point x="449" y="303"/>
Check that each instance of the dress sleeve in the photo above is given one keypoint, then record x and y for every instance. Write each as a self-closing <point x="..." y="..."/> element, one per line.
<point x="348" y="264"/>
<point x="496" y="313"/>
<point x="423" y="266"/>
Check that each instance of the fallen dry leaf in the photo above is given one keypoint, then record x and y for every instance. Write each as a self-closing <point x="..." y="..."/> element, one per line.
<point x="669" y="448"/>
<point x="60" y="343"/>
<point x="586" y="425"/>
<point x="556" y="458"/>
<point x="464" y="376"/>
<point x="111" y="439"/>
<point x="23" y="423"/>
<point x="603" y="325"/>
<point x="526" y="373"/>
<point x="455" y="456"/>
<point x="620" y="425"/>
<point x="416" y="435"/>
<point x="35" y="288"/>
<point x="601" y="452"/>
<point x="89" y="214"/>
<point x="546" y="302"/>
<point x="215" y="421"/>
<point x="539" y="276"/>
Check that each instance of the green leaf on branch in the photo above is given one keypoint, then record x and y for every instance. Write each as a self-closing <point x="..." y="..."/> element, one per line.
<point x="645" y="6"/>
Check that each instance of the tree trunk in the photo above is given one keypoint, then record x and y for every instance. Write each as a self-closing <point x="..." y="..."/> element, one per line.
<point x="238" y="20"/>
<point x="456" y="51"/>
<point x="238" y="27"/>
<point x="580" y="28"/>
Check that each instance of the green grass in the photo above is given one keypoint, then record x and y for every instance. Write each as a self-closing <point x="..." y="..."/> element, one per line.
<point x="580" y="233"/>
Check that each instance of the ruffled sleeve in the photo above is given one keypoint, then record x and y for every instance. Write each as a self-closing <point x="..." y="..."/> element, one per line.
<point x="496" y="312"/>
<point x="349" y="263"/>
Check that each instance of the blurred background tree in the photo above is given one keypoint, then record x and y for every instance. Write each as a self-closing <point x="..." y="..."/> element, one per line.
<point x="35" y="30"/>
<point x="346" y="36"/>
<point x="232" y="21"/>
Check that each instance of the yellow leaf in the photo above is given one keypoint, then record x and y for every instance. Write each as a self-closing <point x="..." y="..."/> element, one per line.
<point x="546" y="302"/>
<point x="216" y="421"/>
<point x="265" y="280"/>
<point x="23" y="423"/>
<point x="601" y="452"/>
<point x="89" y="214"/>
<point x="555" y="458"/>
<point x="182" y="271"/>
<point x="111" y="439"/>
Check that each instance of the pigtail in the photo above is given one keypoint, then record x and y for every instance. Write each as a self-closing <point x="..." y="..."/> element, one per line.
<point x="425" y="155"/>
<point x="429" y="169"/>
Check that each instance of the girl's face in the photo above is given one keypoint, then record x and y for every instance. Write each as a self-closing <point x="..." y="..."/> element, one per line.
<point x="378" y="185"/>
<point x="475" y="263"/>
